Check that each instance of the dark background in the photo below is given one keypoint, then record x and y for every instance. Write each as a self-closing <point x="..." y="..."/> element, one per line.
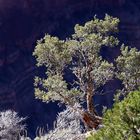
<point x="23" y="22"/>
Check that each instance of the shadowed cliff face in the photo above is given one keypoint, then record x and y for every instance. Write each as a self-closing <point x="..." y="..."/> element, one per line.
<point x="22" y="22"/>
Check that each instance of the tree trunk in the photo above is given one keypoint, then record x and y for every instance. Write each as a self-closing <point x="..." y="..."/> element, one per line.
<point x="90" y="121"/>
<point x="90" y="118"/>
<point x="90" y="105"/>
<point x="90" y="93"/>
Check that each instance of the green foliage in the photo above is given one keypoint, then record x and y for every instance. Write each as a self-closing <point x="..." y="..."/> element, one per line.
<point x="53" y="53"/>
<point x="54" y="84"/>
<point x="128" y="66"/>
<point x="122" y="122"/>
<point x="82" y="53"/>
<point x="57" y="90"/>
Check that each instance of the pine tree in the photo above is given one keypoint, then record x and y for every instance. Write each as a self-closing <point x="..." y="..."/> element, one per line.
<point x="81" y="54"/>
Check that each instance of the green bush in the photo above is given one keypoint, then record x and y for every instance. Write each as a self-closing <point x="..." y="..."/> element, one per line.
<point x="122" y="122"/>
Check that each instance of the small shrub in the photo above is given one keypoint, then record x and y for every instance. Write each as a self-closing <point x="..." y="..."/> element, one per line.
<point x="67" y="127"/>
<point x="122" y="122"/>
<point x="10" y="125"/>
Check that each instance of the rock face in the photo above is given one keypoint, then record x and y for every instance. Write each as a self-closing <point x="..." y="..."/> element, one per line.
<point x="22" y="22"/>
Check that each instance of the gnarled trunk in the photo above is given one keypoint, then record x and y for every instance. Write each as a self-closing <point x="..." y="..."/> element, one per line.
<point x="90" y="121"/>
<point x="90" y="93"/>
<point x="89" y="98"/>
<point x="90" y="118"/>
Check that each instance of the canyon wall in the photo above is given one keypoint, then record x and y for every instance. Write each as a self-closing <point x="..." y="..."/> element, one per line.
<point x="22" y="22"/>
